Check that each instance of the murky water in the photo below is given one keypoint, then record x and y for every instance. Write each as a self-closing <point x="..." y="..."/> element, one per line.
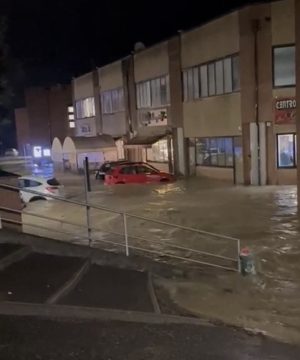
<point x="264" y="218"/>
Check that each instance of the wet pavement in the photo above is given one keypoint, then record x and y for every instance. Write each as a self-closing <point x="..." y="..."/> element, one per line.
<point x="29" y="338"/>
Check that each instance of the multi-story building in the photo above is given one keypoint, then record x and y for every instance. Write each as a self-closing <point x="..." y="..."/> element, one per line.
<point x="45" y="116"/>
<point x="215" y="101"/>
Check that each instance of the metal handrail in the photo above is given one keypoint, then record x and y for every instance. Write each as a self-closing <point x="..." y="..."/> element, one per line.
<point x="125" y="216"/>
<point x="120" y="212"/>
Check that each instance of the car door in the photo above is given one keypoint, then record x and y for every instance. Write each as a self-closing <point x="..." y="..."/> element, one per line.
<point x="127" y="175"/>
<point x="147" y="174"/>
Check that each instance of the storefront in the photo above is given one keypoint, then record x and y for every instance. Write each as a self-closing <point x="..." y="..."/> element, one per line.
<point x="217" y="157"/>
<point x="285" y="140"/>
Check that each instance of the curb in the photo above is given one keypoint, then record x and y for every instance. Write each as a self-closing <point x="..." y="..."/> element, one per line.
<point x="86" y="313"/>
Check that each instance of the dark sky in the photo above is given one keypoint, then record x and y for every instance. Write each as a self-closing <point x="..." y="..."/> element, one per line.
<point x="56" y="40"/>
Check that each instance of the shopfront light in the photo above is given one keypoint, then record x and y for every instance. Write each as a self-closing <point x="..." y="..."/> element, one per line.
<point x="37" y="151"/>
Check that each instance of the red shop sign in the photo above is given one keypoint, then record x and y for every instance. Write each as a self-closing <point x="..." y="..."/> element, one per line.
<point x="285" y="110"/>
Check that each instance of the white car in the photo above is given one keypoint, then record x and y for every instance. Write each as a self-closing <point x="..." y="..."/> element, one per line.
<point x="11" y="152"/>
<point x="41" y="185"/>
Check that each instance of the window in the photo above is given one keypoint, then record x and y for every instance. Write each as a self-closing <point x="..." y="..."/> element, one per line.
<point x="53" y="182"/>
<point x="71" y="124"/>
<point x="211" y="79"/>
<point x="219" y="77"/>
<point x="216" y="78"/>
<point x="286" y="150"/>
<point x="128" y="170"/>
<point x="112" y="101"/>
<point x="141" y="169"/>
<point x="153" y="93"/>
<point x="227" y="75"/>
<point x="85" y="108"/>
<point x="284" y="68"/>
<point x="214" y="152"/>
<point x="158" y="151"/>
<point x="204" y="78"/>
<point x="236" y="73"/>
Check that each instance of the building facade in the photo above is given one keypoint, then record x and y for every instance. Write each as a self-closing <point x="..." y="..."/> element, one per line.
<point x="47" y="115"/>
<point x="216" y="101"/>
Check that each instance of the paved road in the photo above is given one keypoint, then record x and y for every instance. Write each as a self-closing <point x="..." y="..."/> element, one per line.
<point x="31" y="339"/>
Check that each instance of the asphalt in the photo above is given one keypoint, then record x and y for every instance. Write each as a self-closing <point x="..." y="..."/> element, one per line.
<point x="7" y="249"/>
<point x="39" y="339"/>
<point x="36" y="277"/>
<point x="108" y="287"/>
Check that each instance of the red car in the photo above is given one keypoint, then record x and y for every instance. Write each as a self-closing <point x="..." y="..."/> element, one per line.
<point x="137" y="173"/>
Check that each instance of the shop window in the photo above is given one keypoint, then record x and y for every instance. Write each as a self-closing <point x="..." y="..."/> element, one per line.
<point x="284" y="68"/>
<point x="158" y="152"/>
<point x="216" y="152"/>
<point x="286" y="150"/>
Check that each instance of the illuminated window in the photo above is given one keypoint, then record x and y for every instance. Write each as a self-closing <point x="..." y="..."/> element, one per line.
<point x="153" y="93"/>
<point x="37" y="151"/>
<point x="286" y="151"/>
<point x="217" y="152"/>
<point x="158" y="151"/>
<point x="85" y="108"/>
<point x="71" y="116"/>
<point x="72" y="124"/>
<point x="70" y="109"/>
<point x="46" y="152"/>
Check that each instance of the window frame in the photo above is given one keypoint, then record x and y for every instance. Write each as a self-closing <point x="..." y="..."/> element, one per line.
<point x="81" y="101"/>
<point x="187" y="98"/>
<point x="273" y="66"/>
<point x="138" y="85"/>
<point x="216" y="138"/>
<point x="294" y="166"/>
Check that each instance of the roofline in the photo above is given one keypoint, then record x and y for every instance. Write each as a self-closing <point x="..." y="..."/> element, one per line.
<point x="180" y="32"/>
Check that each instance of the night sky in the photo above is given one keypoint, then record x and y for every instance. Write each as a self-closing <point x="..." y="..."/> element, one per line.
<point x="55" y="40"/>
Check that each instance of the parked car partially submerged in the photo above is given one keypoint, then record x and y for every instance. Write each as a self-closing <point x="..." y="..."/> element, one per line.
<point x="43" y="186"/>
<point x="137" y="173"/>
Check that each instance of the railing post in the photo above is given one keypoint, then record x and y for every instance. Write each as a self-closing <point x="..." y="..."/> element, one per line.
<point x="238" y="254"/>
<point x="125" y="234"/>
<point x="87" y="206"/>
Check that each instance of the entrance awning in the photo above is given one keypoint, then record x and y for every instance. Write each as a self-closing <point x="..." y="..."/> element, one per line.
<point x="84" y="144"/>
<point x="143" y="141"/>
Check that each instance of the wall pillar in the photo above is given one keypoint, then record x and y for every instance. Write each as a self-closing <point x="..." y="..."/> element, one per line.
<point x="297" y="33"/>
<point x="256" y="93"/>
<point x="175" y="118"/>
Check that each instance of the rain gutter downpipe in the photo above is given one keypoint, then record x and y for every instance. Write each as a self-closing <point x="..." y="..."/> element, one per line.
<point x="256" y="27"/>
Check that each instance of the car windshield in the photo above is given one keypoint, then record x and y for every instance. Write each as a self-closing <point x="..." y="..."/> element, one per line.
<point x="53" y="182"/>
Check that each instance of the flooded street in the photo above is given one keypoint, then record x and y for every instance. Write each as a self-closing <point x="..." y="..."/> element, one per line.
<point x="264" y="218"/>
